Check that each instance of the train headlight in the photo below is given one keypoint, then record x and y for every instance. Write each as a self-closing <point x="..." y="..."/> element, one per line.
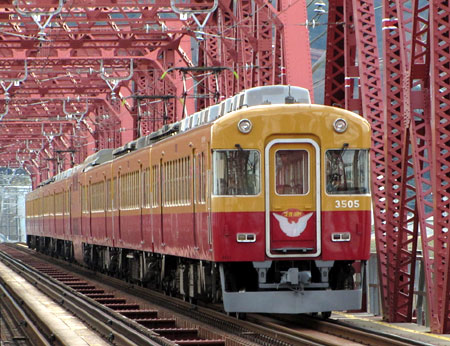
<point x="245" y="126"/>
<point x="340" y="125"/>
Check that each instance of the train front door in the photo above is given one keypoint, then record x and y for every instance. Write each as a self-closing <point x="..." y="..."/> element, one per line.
<point x="292" y="173"/>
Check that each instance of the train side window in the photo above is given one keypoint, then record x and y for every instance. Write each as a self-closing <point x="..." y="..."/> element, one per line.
<point x="114" y="194"/>
<point x="171" y="182"/>
<point x="125" y="185"/>
<point x="146" y="189"/>
<point x="121" y="191"/>
<point x="52" y="211"/>
<point x="93" y="197"/>
<point x="83" y="198"/>
<point x="122" y="188"/>
<point x="108" y="195"/>
<point x="155" y="185"/>
<point x="128" y="190"/>
<point x="236" y="172"/>
<point x="166" y="179"/>
<point x="203" y="178"/>
<point x="67" y="202"/>
<point x="292" y="172"/>
<point x="137" y="189"/>
<point x="167" y="183"/>
<point x="199" y="169"/>
<point x="187" y="183"/>
<point x="59" y="204"/>
<point x="200" y="178"/>
<point x="347" y="171"/>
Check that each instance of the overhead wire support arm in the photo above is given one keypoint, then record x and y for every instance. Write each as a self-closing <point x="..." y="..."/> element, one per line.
<point x="51" y="135"/>
<point x="13" y="81"/>
<point x="22" y="158"/>
<point x="36" y="151"/>
<point x="186" y="13"/>
<point x="36" y="15"/>
<point x="157" y="99"/>
<point x="153" y="97"/>
<point x="80" y="115"/>
<point x="5" y="111"/>
<point x="7" y="83"/>
<point x="114" y="81"/>
<point x="199" y="69"/>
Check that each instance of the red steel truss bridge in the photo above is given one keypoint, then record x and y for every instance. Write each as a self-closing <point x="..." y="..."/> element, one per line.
<point x="77" y="76"/>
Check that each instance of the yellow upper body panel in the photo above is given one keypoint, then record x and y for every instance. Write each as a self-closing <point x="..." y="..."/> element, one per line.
<point x="292" y="121"/>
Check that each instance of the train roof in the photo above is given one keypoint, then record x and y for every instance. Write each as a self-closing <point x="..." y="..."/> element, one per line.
<point x="142" y="142"/>
<point x="130" y="146"/>
<point x="164" y="132"/>
<point x="48" y="181"/>
<point x="98" y="158"/>
<point x="101" y="156"/>
<point x="275" y="94"/>
<point x="264" y="95"/>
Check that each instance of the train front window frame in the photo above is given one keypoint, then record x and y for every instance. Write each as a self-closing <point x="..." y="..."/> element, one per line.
<point x="236" y="172"/>
<point x="347" y="172"/>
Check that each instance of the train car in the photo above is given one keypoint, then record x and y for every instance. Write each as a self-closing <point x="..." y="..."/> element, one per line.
<point x="261" y="202"/>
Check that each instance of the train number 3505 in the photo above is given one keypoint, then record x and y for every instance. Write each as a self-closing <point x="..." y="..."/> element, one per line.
<point x="344" y="203"/>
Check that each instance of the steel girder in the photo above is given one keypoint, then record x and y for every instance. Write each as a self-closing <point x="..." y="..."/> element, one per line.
<point x="405" y="62"/>
<point x="440" y="108"/>
<point x="410" y="141"/>
<point x="259" y="45"/>
<point x="353" y="81"/>
<point x="404" y="183"/>
<point x="77" y="50"/>
<point x="120" y="55"/>
<point x="402" y="220"/>
<point x="416" y="55"/>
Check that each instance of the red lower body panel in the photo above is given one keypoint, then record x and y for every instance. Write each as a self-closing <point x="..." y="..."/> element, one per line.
<point x="186" y="236"/>
<point x="226" y="227"/>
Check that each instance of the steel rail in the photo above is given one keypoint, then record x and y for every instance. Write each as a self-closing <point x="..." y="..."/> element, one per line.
<point x="257" y="329"/>
<point x="110" y="324"/>
<point x="244" y="332"/>
<point x="258" y="333"/>
<point x="342" y="329"/>
<point x="22" y="317"/>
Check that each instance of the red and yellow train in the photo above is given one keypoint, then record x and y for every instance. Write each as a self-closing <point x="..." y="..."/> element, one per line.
<point x="261" y="202"/>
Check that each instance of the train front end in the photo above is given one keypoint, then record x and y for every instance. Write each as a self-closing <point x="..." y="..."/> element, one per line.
<point x="291" y="207"/>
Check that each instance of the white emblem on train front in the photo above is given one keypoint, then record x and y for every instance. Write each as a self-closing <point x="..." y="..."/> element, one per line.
<point x="293" y="228"/>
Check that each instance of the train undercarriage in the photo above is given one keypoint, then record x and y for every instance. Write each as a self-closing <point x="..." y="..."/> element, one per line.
<point x="306" y="286"/>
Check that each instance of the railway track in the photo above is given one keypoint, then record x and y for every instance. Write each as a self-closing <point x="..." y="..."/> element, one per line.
<point x="298" y="325"/>
<point x="17" y="327"/>
<point x="112" y="326"/>
<point x="193" y="324"/>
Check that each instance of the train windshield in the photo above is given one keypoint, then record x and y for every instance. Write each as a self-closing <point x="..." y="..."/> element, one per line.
<point x="292" y="172"/>
<point x="347" y="172"/>
<point x="236" y="172"/>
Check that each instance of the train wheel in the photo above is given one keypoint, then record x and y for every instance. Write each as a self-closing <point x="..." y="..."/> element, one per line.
<point x="241" y="316"/>
<point x="326" y="314"/>
<point x="238" y="315"/>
